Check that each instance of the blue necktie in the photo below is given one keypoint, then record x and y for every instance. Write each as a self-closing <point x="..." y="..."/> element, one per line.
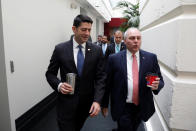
<point x="80" y="60"/>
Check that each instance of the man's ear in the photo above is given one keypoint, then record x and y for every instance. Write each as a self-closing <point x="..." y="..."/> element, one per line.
<point x="74" y="29"/>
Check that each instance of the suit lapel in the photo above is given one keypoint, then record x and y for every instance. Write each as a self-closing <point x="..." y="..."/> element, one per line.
<point x="69" y="51"/>
<point x="142" y="60"/>
<point x="122" y="46"/>
<point x="88" y="51"/>
<point x="113" y="49"/>
<point x="124" y="65"/>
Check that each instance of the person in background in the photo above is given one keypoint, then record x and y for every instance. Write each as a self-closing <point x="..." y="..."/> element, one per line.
<point x="131" y="99"/>
<point x="112" y="39"/>
<point x="104" y="44"/>
<point x="90" y="39"/>
<point x="99" y="39"/>
<point x="85" y="59"/>
<point x="118" y="44"/>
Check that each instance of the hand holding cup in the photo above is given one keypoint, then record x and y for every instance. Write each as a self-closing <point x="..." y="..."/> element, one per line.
<point x="152" y="81"/>
<point x="70" y="79"/>
<point x="65" y="88"/>
<point x="68" y="86"/>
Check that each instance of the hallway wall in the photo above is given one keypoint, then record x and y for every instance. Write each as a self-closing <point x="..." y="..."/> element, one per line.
<point x="89" y="10"/>
<point x="168" y="29"/>
<point x="31" y="30"/>
<point x="5" y="124"/>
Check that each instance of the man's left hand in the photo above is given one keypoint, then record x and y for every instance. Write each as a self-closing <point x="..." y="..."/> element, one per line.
<point x="95" y="108"/>
<point x="155" y="84"/>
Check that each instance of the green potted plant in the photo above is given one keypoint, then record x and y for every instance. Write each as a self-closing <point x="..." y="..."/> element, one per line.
<point x="131" y="14"/>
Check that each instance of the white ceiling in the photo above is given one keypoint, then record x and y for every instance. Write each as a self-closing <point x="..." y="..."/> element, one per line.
<point x="114" y="2"/>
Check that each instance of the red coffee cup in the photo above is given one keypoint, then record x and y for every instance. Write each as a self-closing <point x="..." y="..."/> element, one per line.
<point x="150" y="78"/>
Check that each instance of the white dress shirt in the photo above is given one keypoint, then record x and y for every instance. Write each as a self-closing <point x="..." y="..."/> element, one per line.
<point x="98" y="43"/>
<point x="75" y="50"/>
<point x="129" y="74"/>
<point x="104" y="47"/>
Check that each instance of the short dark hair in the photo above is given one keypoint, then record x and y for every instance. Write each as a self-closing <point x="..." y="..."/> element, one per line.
<point x="81" y="18"/>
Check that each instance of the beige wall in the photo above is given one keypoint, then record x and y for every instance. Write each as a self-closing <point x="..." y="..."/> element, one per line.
<point x="5" y="124"/>
<point x="168" y="29"/>
<point x="30" y="31"/>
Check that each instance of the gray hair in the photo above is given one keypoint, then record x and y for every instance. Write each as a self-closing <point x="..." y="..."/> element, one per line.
<point x="129" y="29"/>
<point x="118" y="31"/>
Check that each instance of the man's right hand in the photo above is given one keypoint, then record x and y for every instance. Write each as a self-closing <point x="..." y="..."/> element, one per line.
<point x="104" y="111"/>
<point x="65" y="88"/>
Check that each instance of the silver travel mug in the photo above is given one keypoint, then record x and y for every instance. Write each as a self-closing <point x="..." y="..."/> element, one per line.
<point x="70" y="79"/>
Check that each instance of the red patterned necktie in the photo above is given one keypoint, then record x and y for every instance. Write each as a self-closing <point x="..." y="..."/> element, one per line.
<point x="135" y="74"/>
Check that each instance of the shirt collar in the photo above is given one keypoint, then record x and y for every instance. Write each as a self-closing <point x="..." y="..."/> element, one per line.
<point x="136" y="54"/>
<point x="75" y="44"/>
<point x="117" y="44"/>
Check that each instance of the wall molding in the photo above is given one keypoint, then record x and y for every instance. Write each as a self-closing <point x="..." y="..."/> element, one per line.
<point x="29" y="118"/>
<point x="185" y="10"/>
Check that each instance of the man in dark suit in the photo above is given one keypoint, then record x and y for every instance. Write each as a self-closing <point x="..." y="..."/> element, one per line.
<point x="86" y="60"/>
<point x="104" y="44"/>
<point x="131" y="99"/>
<point x="117" y="45"/>
<point x="99" y="38"/>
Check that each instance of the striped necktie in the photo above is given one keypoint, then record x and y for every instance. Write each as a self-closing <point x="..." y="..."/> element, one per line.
<point x="117" y="48"/>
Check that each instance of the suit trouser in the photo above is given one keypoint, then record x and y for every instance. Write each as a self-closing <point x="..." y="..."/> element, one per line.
<point x="129" y="120"/>
<point x="75" y="118"/>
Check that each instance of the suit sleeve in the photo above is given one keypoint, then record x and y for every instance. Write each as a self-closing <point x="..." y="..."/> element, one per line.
<point x="107" y="52"/>
<point x="156" y="69"/>
<point x="51" y="73"/>
<point x="100" y="77"/>
<point x="105" y="101"/>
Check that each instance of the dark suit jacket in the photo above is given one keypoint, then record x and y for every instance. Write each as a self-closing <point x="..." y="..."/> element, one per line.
<point x="111" y="49"/>
<point x="117" y="84"/>
<point x="97" y="43"/>
<point x="91" y="83"/>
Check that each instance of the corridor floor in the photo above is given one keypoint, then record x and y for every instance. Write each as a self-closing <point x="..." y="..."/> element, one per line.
<point x="99" y="123"/>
